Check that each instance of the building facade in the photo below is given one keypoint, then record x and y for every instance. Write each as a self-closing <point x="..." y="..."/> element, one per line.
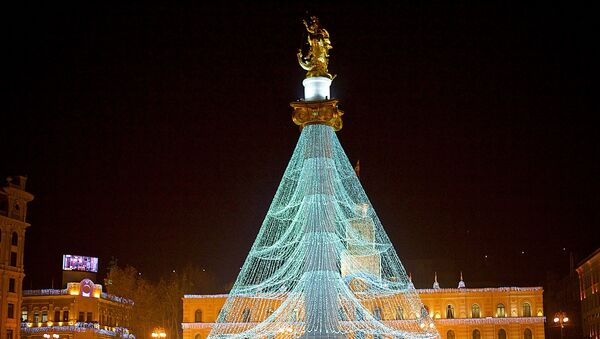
<point x="589" y="294"/>
<point x="504" y="312"/>
<point x="13" y="215"/>
<point x="81" y="311"/>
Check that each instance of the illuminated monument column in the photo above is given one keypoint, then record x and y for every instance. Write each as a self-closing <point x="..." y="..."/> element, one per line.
<point x="321" y="263"/>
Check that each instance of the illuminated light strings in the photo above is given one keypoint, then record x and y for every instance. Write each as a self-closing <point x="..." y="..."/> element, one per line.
<point x="322" y="265"/>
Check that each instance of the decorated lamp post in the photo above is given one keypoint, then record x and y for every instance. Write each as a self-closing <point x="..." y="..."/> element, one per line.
<point x="561" y="319"/>
<point x="159" y="333"/>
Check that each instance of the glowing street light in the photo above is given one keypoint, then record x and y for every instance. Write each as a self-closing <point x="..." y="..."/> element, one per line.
<point x="560" y="319"/>
<point x="159" y="333"/>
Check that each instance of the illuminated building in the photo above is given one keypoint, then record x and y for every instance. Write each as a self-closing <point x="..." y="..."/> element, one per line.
<point x="79" y="311"/>
<point x="13" y="214"/>
<point x="589" y="294"/>
<point x="503" y="312"/>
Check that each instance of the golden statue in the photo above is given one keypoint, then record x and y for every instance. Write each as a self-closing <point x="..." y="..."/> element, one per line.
<point x="315" y="62"/>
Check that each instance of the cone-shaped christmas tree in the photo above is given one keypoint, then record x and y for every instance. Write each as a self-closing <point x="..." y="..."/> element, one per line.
<point x="321" y="266"/>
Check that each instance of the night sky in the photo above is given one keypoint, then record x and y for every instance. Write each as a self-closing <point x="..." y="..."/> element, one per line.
<point x="158" y="135"/>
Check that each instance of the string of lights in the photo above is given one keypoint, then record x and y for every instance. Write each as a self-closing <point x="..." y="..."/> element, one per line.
<point x="322" y="265"/>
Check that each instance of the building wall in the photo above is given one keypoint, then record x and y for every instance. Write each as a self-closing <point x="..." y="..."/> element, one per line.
<point x="589" y="294"/>
<point x="73" y="313"/>
<point x="515" y="322"/>
<point x="13" y="213"/>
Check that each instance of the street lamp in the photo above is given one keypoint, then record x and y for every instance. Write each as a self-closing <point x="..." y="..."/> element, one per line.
<point x="560" y="319"/>
<point x="159" y="333"/>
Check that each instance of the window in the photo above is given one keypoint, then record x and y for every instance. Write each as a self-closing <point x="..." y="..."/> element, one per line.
<point x="527" y="334"/>
<point x="475" y="311"/>
<point x="44" y="316"/>
<point x="11" y="285"/>
<point x="88" y="317"/>
<point x="246" y="316"/>
<point x="198" y="316"/>
<point x="9" y="334"/>
<point x="377" y="313"/>
<point x="11" y="311"/>
<point x="501" y="334"/>
<point x="65" y="315"/>
<point x="359" y="314"/>
<point x="15" y="239"/>
<point x="81" y="317"/>
<point x="399" y="313"/>
<point x="24" y="315"/>
<point x="450" y="335"/>
<point x="500" y="311"/>
<point x="526" y="310"/>
<point x="450" y="312"/>
<point x="13" y="259"/>
<point x="425" y="311"/>
<point x="56" y="315"/>
<point x="36" y="317"/>
<point x="476" y="334"/>
<point x="342" y="314"/>
<point x="197" y="336"/>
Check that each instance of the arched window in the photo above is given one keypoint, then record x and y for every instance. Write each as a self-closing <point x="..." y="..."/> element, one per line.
<point x="527" y="334"/>
<point x="246" y="316"/>
<point x="500" y="313"/>
<point x="476" y="334"/>
<point x="198" y="316"/>
<point x="198" y="336"/>
<point x="342" y="314"/>
<point x="359" y="314"/>
<point x="377" y="313"/>
<point x="501" y="334"/>
<point x="399" y="313"/>
<point x="15" y="239"/>
<point x="526" y="309"/>
<point x="450" y="312"/>
<point x="475" y="311"/>
<point x="450" y="335"/>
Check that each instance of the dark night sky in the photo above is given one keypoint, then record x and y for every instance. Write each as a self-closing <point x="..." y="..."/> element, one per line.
<point x="158" y="135"/>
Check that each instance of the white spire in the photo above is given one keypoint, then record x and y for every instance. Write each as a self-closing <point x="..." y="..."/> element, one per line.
<point x="461" y="283"/>
<point x="436" y="285"/>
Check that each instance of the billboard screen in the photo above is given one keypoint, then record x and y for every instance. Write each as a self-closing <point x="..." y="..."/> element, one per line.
<point x="80" y="263"/>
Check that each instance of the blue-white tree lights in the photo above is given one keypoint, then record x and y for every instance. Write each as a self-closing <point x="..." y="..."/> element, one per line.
<point x="322" y="265"/>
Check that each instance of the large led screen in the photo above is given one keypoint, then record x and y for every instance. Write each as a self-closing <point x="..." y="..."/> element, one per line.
<point x="79" y="263"/>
